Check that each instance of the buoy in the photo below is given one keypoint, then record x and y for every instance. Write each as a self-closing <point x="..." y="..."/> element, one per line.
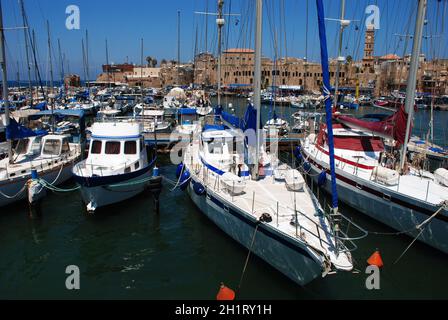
<point x="375" y="259"/>
<point x="225" y="294"/>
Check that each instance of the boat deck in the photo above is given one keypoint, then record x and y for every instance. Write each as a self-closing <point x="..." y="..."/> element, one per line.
<point x="270" y="196"/>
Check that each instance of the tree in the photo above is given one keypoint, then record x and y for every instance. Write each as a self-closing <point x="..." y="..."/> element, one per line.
<point x="349" y="59"/>
<point x="163" y="62"/>
<point x="149" y="60"/>
<point x="154" y="63"/>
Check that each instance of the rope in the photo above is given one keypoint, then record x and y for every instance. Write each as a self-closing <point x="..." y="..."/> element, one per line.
<point x="14" y="196"/>
<point x="248" y="256"/>
<point x="443" y="205"/>
<point x="56" y="189"/>
<point x="180" y="177"/>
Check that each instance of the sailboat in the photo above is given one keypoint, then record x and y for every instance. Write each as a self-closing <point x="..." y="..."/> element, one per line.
<point x="261" y="203"/>
<point x="35" y="154"/>
<point x="380" y="184"/>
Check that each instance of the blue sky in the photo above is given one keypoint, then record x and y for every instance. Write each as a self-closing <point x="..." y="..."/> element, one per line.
<point x="124" y="23"/>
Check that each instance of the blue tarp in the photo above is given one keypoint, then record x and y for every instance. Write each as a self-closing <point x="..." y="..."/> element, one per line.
<point x="233" y="120"/>
<point x="210" y="127"/>
<point x="187" y="111"/>
<point x="250" y="118"/>
<point x="40" y="106"/>
<point x="15" y="131"/>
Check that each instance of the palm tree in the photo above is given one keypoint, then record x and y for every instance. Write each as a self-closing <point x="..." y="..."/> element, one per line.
<point x="154" y="63"/>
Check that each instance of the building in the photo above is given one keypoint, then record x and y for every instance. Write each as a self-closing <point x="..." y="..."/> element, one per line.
<point x="72" y="80"/>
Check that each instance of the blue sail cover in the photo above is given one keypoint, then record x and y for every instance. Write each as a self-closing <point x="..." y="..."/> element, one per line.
<point x="328" y="102"/>
<point x="250" y="118"/>
<point x="15" y="131"/>
<point x="232" y="119"/>
<point x="40" y="106"/>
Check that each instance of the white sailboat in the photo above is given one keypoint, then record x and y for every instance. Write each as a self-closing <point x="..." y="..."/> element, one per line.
<point x="36" y="154"/>
<point x="383" y="186"/>
<point x="273" y="213"/>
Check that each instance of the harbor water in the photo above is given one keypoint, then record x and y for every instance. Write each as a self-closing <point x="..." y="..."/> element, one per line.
<point x="127" y="251"/>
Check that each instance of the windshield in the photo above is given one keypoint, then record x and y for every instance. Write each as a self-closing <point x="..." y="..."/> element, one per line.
<point x="52" y="147"/>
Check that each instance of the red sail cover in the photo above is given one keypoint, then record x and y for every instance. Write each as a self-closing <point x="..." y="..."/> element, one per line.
<point x="393" y="127"/>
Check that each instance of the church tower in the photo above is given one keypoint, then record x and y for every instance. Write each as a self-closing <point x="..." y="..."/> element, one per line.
<point x="369" y="47"/>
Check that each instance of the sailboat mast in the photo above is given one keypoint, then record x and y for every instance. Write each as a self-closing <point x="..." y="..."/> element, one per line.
<point x="61" y="63"/>
<point x="87" y="58"/>
<point x="50" y="57"/>
<point x="257" y="78"/>
<point x="27" y="54"/>
<point x="338" y="65"/>
<point x="107" y="64"/>
<point x="328" y="105"/>
<point x="51" y="77"/>
<point x="178" y="46"/>
<point x="412" y="78"/>
<point x="220" y="22"/>
<point x="4" y="79"/>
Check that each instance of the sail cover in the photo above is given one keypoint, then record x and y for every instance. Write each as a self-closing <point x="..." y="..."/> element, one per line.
<point x="393" y="127"/>
<point x="15" y="131"/>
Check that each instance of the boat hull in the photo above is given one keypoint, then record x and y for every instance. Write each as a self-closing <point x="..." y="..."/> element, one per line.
<point x="389" y="208"/>
<point x="291" y="258"/>
<point x="102" y="195"/>
<point x="12" y="187"/>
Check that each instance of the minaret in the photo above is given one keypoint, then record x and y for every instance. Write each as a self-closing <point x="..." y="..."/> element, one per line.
<point x="369" y="47"/>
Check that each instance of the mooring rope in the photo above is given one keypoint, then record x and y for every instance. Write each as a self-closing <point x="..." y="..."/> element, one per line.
<point x="14" y="196"/>
<point x="248" y="256"/>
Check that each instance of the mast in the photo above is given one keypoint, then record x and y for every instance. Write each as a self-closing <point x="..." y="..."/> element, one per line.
<point x="27" y="54"/>
<point x="51" y="77"/>
<point x="412" y="77"/>
<point x="220" y="22"/>
<point x="257" y="78"/>
<point x="61" y="63"/>
<point x="107" y="64"/>
<point x="4" y="80"/>
<point x="338" y="65"/>
<point x="87" y="59"/>
<point x="328" y="106"/>
<point x="141" y="65"/>
<point x="178" y="46"/>
<point x="50" y="57"/>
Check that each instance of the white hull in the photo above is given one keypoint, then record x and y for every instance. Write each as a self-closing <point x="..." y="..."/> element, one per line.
<point x="294" y="260"/>
<point x="390" y="213"/>
<point x="101" y="196"/>
<point x="12" y="187"/>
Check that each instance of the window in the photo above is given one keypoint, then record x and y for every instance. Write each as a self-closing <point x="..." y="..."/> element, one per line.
<point x="96" y="147"/>
<point x="112" y="147"/>
<point x="65" y="146"/>
<point x="52" y="147"/>
<point x="130" y="147"/>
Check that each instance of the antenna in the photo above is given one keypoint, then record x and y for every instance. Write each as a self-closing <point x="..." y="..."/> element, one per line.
<point x="220" y="21"/>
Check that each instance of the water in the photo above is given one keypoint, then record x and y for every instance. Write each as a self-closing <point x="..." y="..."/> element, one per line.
<point x="129" y="252"/>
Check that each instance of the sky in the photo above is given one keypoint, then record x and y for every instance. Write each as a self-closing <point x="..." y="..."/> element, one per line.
<point x="289" y="29"/>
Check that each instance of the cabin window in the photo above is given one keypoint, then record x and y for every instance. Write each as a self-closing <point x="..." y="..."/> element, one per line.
<point x="96" y="147"/>
<point x="130" y="147"/>
<point x="65" y="146"/>
<point x="52" y="147"/>
<point x="22" y="146"/>
<point x="112" y="147"/>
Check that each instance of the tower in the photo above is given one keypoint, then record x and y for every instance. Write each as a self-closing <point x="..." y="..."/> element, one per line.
<point x="369" y="47"/>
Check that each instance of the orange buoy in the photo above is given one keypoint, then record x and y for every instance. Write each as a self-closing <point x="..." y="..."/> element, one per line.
<point x="375" y="259"/>
<point x="225" y="294"/>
